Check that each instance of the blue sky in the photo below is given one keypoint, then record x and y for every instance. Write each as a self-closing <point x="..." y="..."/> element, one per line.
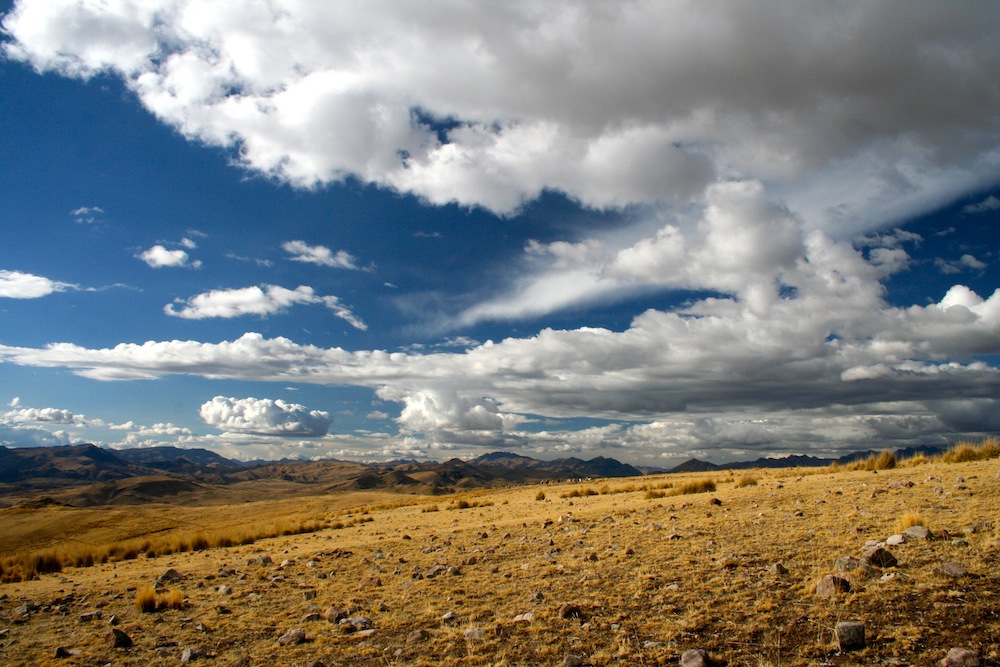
<point x="363" y="231"/>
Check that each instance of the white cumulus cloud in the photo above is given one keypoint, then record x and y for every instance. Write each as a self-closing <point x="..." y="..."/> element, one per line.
<point x="19" y="285"/>
<point x="852" y="114"/>
<point x="264" y="416"/>
<point x="159" y="257"/>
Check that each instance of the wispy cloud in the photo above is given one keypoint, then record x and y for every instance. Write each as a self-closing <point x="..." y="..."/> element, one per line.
<point x="991" y="203"/>
<point x="261" y="301"/>
<point x="87" y="215"/>
<point x="321" y="255"/>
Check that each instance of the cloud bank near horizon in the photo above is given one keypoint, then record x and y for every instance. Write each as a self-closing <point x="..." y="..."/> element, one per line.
<point x="759" y="157"/>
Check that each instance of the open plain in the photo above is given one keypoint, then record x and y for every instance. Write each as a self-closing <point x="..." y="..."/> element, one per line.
<point x="597" y="572"/>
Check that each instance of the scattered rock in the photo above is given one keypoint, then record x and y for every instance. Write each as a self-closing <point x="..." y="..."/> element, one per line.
<point x="960" y="657"/>
<point x="294" y="636"/>
<point x="880" y="557"/>
<point x="91" y="616"/>
<point x="309" y="594"/>
<point x="474" y="633"/>
<point x="573" y="660"/>
<point x="917" y="533"/>
<point x="192" y="654"/>
<point x="846" y="564"/>
<point x="417" y="636"/>
<point x="335" y="614"/>
<point x="63" y="652"/>
<point x="952" y="569"/>
<point x="850" y="635"/>
<point x="695" y="657"/>
<point x="895" y="540"/>
<point x="526" y="617"/>
<point x="116" y="638"/>
<point x="831" y="584"/>
<point x="371" y="582"/>
<point x="167" y="577"/>
<point x="778" y="569"/>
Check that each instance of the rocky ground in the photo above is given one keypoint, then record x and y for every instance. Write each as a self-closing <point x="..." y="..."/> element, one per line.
<point x="786" y="571"/>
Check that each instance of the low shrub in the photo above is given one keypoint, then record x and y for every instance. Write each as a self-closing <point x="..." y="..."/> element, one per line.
<point x="746" y="480"/>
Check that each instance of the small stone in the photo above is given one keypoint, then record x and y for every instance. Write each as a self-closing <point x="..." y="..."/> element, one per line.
<point x="294" y="636"/>
<point x="167" y="577"/>
<point x="474" y="633"/>
<point x="846" y="564"/>
<point x="850" y="635"/>
<point x="335" y="614"/>
<point x="573" y="660"/>
<point x="830" y="585"/>
<point x="960" y="657"/>
<point x="695" y="657"/>
<point x="191" y="654"/>
<point x="952" y="569"/>
<point x="526" y="617"/>
<point x="450" y="617"/>
<point x="917" y="533"/>
<point x="309" y="594"/>
<point x="371" y="582"/>
<point x="778" y="569"/>
<point x="417" y="636"/>
<point x="63" y="652"/>
<point x="880" y="557"/>
<point x="115" y="638"/>
<point x="959" y="542"/>
<point x="895" y="540"/>
<point x="225" y="590"/>
<point x="90" y="616"/>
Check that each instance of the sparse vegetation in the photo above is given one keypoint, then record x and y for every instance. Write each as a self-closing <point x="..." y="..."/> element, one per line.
<point x="540" y="496"/>
<point x="694" y="486"/>
<point x="884" y="460"/>
<point x="580" y="493"/>
<point x="968" y="451"/>
<point x="145" y="600"/>
<point x="909" y="520"/>
<point x="669" y="575"/>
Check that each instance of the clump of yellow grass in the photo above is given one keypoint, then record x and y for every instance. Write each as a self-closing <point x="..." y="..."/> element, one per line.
<point x="965" y="451"/>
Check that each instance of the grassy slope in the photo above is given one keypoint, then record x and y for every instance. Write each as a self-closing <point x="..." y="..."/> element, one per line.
<point x="651" y="576"/>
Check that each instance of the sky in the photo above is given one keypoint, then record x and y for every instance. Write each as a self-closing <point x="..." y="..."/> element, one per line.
<point x="379" y="230"/>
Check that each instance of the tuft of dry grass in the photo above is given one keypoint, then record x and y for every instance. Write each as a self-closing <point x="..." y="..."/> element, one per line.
<point x="540" y="496"/>
<point x="745" y="481"/>
<point x="145" y="600"/>
<point x="580" y="493"/>
<point x="909" y="520"/>
<point x="968" y="451"/>
<point x="884" y="460"/>
<point x="694" y="486"/>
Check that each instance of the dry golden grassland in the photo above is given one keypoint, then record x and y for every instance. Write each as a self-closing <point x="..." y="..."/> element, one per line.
<point x="614" y="577"/>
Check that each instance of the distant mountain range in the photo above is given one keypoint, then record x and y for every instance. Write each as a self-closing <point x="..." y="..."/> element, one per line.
<point x="86" y="475"/>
